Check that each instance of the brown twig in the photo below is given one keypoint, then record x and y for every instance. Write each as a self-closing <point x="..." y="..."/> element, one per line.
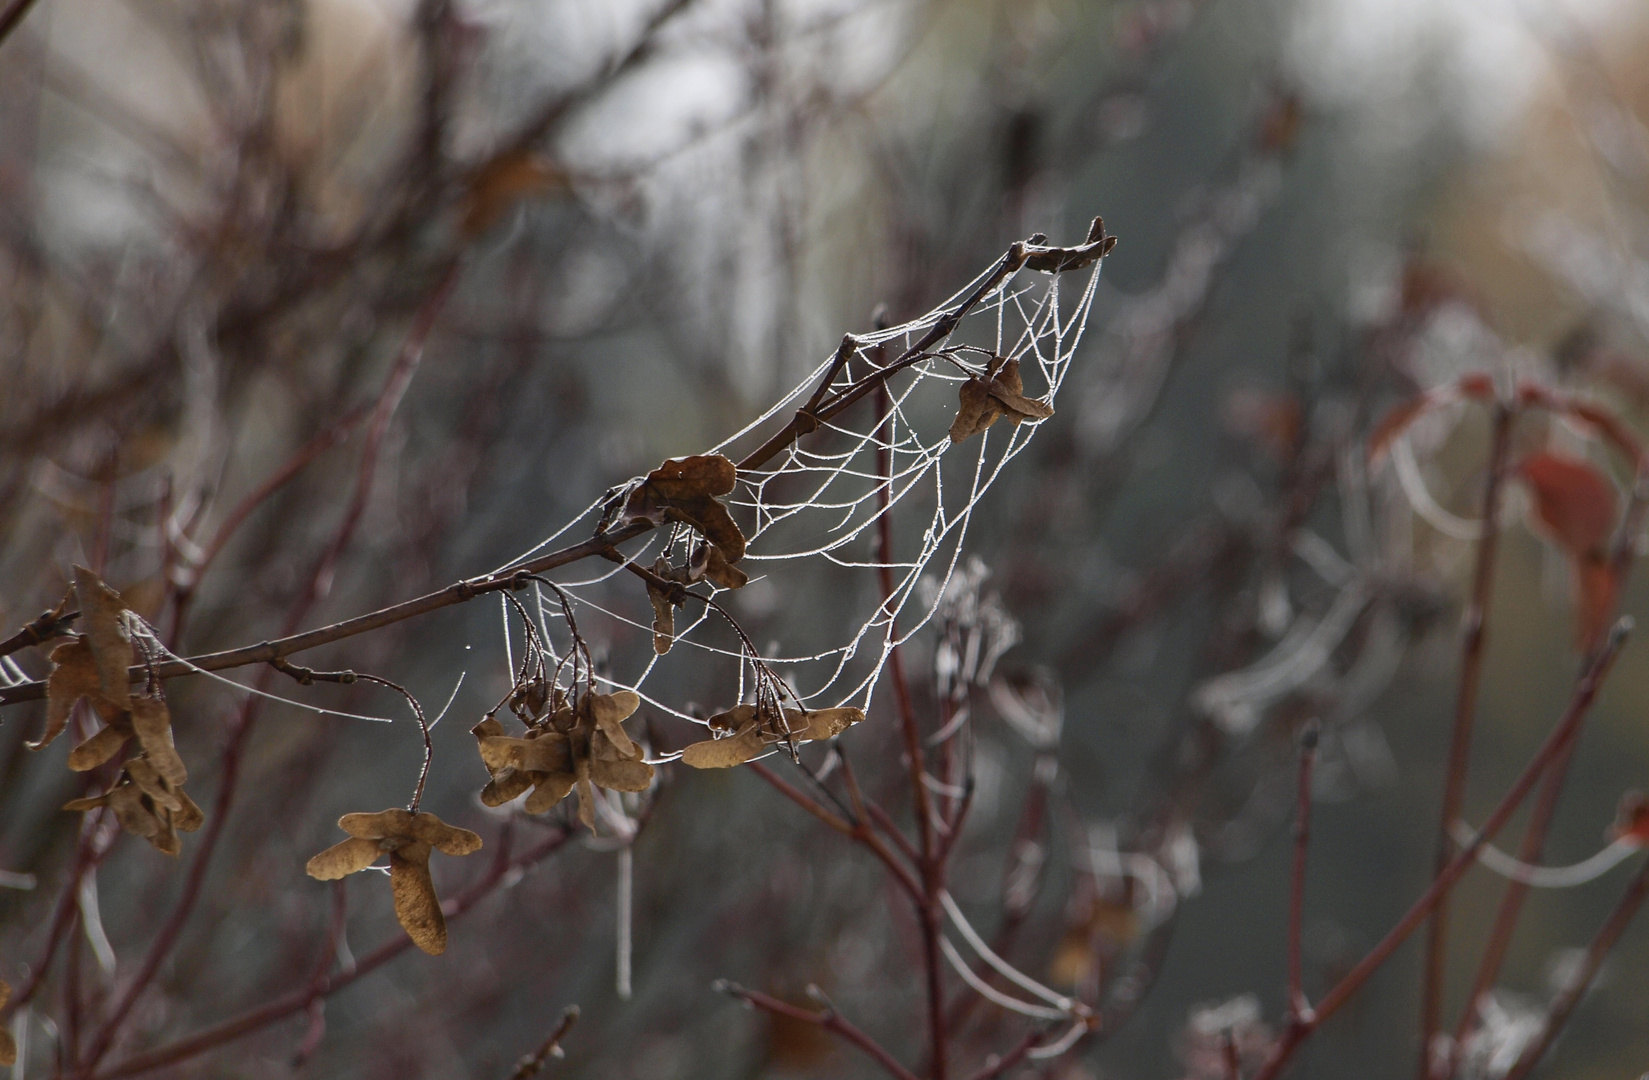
<point x="1579" y="705"/>
<point x="1465" y="713"/>
<point x="532" y="1064"/>
<point x="829" y="1019"/>
<point x="598" y="546"/>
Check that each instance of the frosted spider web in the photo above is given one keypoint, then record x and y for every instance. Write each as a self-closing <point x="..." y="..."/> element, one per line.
<point x="815" y="508"/>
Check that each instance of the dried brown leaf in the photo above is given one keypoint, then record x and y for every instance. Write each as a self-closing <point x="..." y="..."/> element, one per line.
<point x="609" y="711"/>
<point x="74" y="676"/>
<point x="622" y="774"/>
<point x="447" y="839"/>
<point x="686" y="490"/>
<point x="105" y="633"/>
<point x="821" y="723"/>
<point x="664" y="619"/>
<point x="1573" y="499"/>
<point x="1007" y="389"/>
<point x="976" y="411"/>
<point x="148" y="780"/>
<point x="709" y="563"/>
<point x="189" y="817"/>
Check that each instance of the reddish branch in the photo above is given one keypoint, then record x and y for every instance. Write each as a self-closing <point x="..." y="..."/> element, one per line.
<point x="1574" y="716"/>
<point x="1298" y="1007"/>
<point x="317" y="585"/>
<point x="1602" y="945"/>
<point x="300" y="1000"/>
<point x="829" y="1019"/>
<point x="1465" y="713"/>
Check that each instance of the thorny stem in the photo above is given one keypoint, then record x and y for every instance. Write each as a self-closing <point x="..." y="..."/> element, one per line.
<point x="598" y="546"/>
<point x="1465" y="713"/>
<point x="1299" y="1009"/>
<point x="1564" y="1005"/>
<point x="829" y="1019"/>
<point x="1579" y="705"/>
<point x="299" y="1000"/>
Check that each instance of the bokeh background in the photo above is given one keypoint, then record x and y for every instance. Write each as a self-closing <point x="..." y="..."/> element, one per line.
<point x="218" y="220"/>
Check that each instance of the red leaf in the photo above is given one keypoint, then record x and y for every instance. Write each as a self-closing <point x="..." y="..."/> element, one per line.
<point x="1574" y="501"/>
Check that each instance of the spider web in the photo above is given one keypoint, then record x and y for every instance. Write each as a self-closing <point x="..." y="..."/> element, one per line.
<point x="813" y="514"/>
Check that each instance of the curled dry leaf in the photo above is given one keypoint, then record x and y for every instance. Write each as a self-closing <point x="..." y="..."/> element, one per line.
<point x="1575" y="504"/>
<point x="570" y="748"/>
<point x="664" y="604"/>
<point x="708" y="563"/>
<point x="147" y="805"/>
<point x="8" y="1047"/>
<point x="750" y="736"/>
<point x="73" y="676"/>
<point x="686" y="490"/>
<point x="985" y="401"/>
<point x="1057" y="260"/>
<point x="103" y="627"/>
<point x="407" y="838"/>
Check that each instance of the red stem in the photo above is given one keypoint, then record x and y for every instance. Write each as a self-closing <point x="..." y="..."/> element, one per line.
<point x="317" y="586"/>
<point x="1585" y="693"/>
<point x="1465" y="713"/>
<point x="830" y="1020"/>
<point x="1298" y="1007"/>
<point x="299" y="1000"/>
<point x="1564" y="1005"/>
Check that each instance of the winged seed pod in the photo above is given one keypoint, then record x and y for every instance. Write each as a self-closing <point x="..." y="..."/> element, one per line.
<point x="571" y="748"/>
<point x="407" y="839"/>
<point x="749" y="736"/>
<point x="151" y="722"/>
<point x="984" y="401"/>
<point x="685" y="490"/>
<point x="147" y="805"/>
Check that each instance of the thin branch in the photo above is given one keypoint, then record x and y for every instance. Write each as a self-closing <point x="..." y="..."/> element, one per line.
<point x="533" y="1063"/>
<point x="1579" y="705"/>
<point x="1299" y="1008"/>
<point x="829" y="1019"/>
<point x="996" y="1066"/>
<point x="599" y="546"/>
<point x="1465" y="713"/>
<point x="1569" y="997"/>
<point x="296" y="1002"/>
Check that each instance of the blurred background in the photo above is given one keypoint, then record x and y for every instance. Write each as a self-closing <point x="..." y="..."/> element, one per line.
<point x="634" y="226"/>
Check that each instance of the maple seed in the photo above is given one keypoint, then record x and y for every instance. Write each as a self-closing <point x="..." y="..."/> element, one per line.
<point x="147" y="805"/>
<point x="686" y="490"/>
<point x="407" y="839"/>
<point x="985" y="401"/>
<point x="571" y="748"/>
<point x="750" y="736"/>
